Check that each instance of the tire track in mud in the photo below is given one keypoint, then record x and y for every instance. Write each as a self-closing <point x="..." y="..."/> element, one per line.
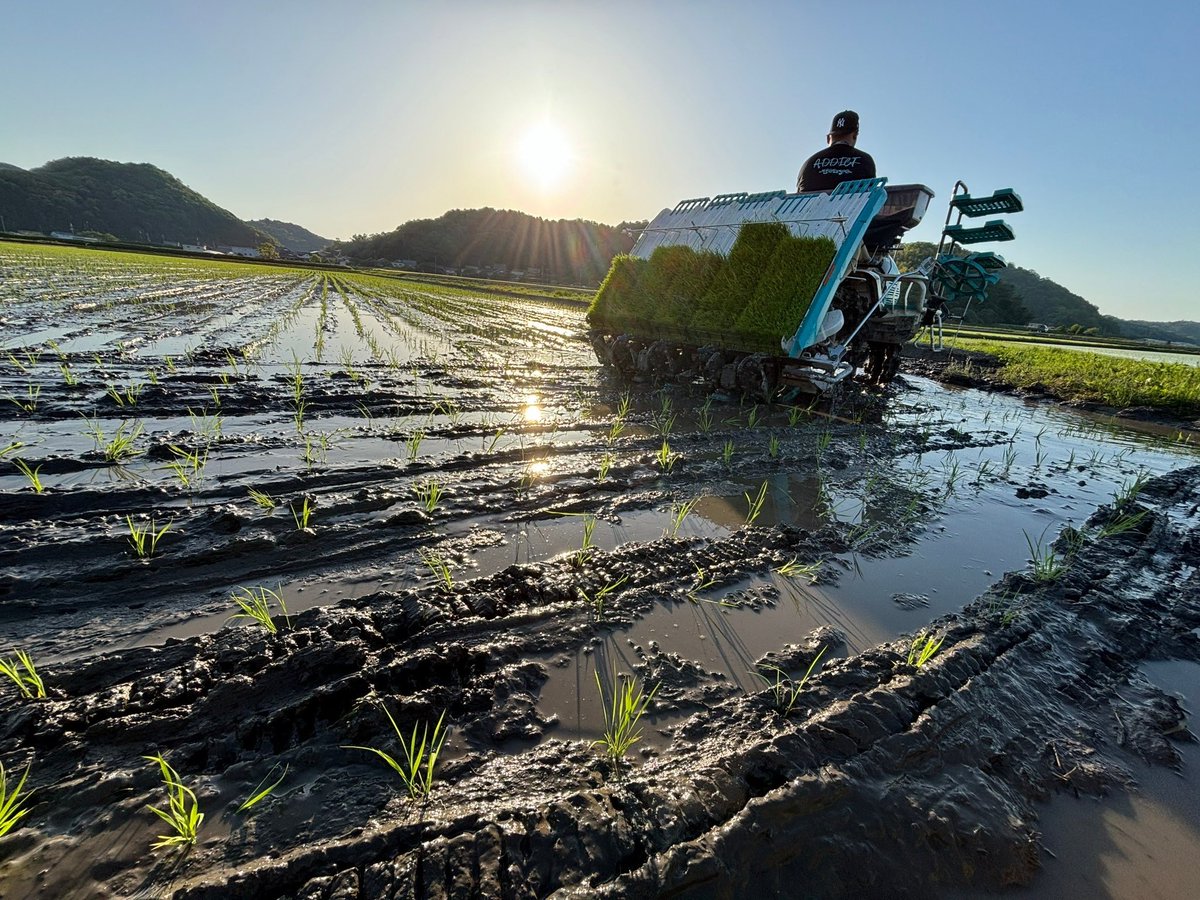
<point x="892" y="780"/>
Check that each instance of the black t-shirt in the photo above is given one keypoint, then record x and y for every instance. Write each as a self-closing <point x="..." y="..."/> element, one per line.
<point x="827" y="169"/>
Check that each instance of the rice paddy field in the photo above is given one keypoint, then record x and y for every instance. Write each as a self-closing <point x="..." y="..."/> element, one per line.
<point x="329" y="584"/>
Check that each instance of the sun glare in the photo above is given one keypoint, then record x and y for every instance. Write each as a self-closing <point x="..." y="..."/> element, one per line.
<point x="544" y="154"/>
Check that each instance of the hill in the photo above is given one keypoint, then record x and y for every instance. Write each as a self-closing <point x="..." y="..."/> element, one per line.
<point x="496" y="241"/>
<point x="295" y="238"/>
<point x="132" y="201"/>
<point x="1052" y="304"/>
<point x="1023" y="296"/>
<point x="1182" y="332"/>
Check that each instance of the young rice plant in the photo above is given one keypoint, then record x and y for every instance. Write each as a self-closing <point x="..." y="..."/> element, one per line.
<point x="421" y="752"/>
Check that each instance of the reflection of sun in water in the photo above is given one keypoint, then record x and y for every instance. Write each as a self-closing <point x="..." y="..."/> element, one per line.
<point x="544" y="154"/>
<point x="539" y="468"/>
<point x="532" y="411"/>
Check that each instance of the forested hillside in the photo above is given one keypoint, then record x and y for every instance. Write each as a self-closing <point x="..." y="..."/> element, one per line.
<point x="131" y="201"/>
<point x="1052" y="304"/>
<point x="571" y="251"/>
<point x="1022" y="296"/>
<point x="301" y="240"/>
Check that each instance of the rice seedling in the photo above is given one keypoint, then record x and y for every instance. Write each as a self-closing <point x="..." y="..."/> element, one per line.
<point x="125" y="397"/>
<point x="664" y="421"/>
<point x="420" y="755"/>
<point x="1046" y="565"/>
<point x="679" y="512"/>
<point x="23" y="673"/>
<point x="704" y="418"/>
<point x="824" y="439"/>
<point x="754" y="504"/>
<point x="255" y="604"/>
<point x="861" y="534"/>
<point x="1121" y="524"/>
<point x="11" y="447"/>
<point x="727" y="453"/>
<point x="922" y="648"/>
<point x="450" y="409"/>
<point x="29" y="402"/>
<point x="14" y="806"/>
<point x="665" y="457"/>
<point x="31" y="475"/>
<point x="70" y="379"/>
<point x="785" y="690"/>
<point x="429" y="492"/>
<point x="796" y="414"/>
<point x="413" y="444"/>
<point x="121" y="446"/>
<point x="183" y="809"/>
<point x="597" y="599"/>
<point x="773" y="447"/>
<point x="207" y="427"/>
<point x="1129" y="490"/>
<point x="144" y="538"/>
<point x="495" y="439"/>
<point x="15" y="361"/>
<point x="187" y="466"/>
<point x="615" y="430"/>
<point x="606" y="462"/>
<point x="624" y="404"/>
<point x="586" y="546"/>
<point x="438" y="567"/>
<point x="701" y="581"/>
<point x="1010" y="457"/>
<point x="623" y="714"/>
<point x="262" y="499"/>
<point x="753" y="417"/>
<point x="954" y="474"/>
<point x="982" y="472"/>
<point x="302" y="515"/>
<point x="794" y="569"/>
<point x="264" y="790"/>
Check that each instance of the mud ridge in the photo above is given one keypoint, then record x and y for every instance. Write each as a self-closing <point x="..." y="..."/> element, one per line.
<point x="885" y="780"/>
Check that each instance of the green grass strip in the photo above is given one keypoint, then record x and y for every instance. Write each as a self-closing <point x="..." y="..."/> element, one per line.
<point x="1096" y="377"/>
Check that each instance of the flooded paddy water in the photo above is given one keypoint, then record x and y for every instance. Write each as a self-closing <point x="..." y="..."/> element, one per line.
<point x="464" y="514"/>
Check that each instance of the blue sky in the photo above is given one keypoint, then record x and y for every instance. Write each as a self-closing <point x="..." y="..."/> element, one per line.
<point x="358" y="116"/>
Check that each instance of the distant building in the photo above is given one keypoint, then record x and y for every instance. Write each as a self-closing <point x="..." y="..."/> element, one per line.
<point x="247" y="252"/>
<point x="70" y="236"/>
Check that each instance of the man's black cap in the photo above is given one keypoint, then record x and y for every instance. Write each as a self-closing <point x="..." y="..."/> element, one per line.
<point x="844" y="122"/>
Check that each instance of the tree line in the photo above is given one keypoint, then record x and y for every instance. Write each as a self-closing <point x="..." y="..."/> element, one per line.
<point x="495" y="241"/>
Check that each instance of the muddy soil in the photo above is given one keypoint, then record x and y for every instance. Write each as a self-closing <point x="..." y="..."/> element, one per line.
<point x="583" y="528"/>
<point x="885" y="779"/>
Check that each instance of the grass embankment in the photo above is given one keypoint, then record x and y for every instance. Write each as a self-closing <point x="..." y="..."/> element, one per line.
<point x="1095" y="377"/>
<point x="1024" y="336"/>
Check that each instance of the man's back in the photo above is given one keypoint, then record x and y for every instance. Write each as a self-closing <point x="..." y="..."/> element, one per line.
<point x="826" y="169"/>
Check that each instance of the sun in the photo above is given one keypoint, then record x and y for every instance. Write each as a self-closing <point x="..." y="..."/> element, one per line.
<point x="544" y="154"/>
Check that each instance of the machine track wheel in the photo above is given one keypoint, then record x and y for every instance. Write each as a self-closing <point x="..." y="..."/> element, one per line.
<point x="664" y="360"/>
<point x="602" y="345"/>
<point x="883" y="362"/>
<point x="623" y="351"/>
<point x="709" y="363"/>
<point x="757" y="376"/>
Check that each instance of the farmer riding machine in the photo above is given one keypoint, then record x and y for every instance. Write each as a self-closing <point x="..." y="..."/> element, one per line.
<point x="774" y="292"/>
